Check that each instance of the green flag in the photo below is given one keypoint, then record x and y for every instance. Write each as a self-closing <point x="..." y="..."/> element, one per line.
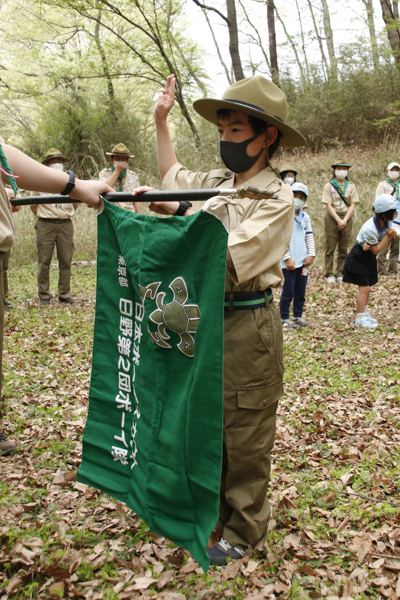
<point x="153" y="436"/>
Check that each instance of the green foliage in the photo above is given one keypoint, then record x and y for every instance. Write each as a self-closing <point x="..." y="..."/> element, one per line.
<point x="85" y="572"/>
<point x="90" y="84"/>
<point x="355" y="109"/>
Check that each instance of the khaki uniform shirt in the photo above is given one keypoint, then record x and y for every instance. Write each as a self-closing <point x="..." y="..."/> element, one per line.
<point x="331" y="196"/>
<point x="53" y="211"/>
<point x="131" y="182"/>
<point x="260" y="230"/>
<point x="385" y="188"/>
<point x="7" y="229"/>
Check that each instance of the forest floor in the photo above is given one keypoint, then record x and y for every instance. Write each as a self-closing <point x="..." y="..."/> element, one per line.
<point x="335" y="488"/>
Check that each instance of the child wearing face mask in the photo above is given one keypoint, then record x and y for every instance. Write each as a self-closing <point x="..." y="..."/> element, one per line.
<point x="296" y="262"/>
<point x="288" y="174"/>
<point x="339" y="197"/>
<point x="389" y="186"/>
<point x="360" y="267"/>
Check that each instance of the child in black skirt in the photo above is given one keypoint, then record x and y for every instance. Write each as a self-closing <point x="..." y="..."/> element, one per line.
<point x="360" y="267"/>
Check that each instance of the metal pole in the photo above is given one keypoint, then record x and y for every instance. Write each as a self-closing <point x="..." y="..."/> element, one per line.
<point x="155" y="196"/>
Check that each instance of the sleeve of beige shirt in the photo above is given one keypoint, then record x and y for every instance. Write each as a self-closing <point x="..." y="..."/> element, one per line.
<point x="179" y="178"/>
<point x="261" y="241"/>
<point x="104" y="174"/>
<point x="327" y="194"/>
<point x="380" y="189"/>
<point x="354" y="198"/>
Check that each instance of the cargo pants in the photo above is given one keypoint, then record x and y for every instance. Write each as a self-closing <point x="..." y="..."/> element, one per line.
<point x="253" y="373"/>
<point x="50" y="233"/>
<point x="389" y="266"/>
<point x="333" y="238"/>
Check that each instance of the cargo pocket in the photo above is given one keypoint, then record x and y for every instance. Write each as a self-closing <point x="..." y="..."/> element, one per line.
<point x="255" y="418"/>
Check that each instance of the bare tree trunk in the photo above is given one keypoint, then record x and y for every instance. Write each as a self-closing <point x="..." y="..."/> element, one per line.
<point x="104" y="62"/>
<point x="231" y="22"/>
<point x="221" y="60"/>
<point x="272" y="41"/>
<point x="372" y="33"/>
<point x="329" y="36"/>
<point x="234" y="40"/>
<point x="324" y="63"/>
<point x="291" y="42"/>
<point x="390" y="15"/>
<point x="303" y="43"/>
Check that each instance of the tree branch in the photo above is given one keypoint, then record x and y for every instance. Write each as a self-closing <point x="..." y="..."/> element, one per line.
<point x="204" y="7"/>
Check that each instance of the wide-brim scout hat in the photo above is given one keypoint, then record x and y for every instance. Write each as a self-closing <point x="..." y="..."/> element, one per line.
<point x="340" y="163"/>
<point x="120" y="150"/>
<point x="286" y="169"/>
<point x="54" y="153"/>
<point x="258" y="97"/>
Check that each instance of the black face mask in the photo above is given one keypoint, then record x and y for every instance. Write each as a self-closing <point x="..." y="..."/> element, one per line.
<point x="235" y="157"/>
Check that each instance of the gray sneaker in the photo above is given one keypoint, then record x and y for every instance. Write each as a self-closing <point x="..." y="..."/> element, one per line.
<point x="288" y="324"/>
<point x="7" y="447"/>
<point x="300" y="322"/>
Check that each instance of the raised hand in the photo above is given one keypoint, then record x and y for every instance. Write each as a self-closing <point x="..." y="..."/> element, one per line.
<point x="165" y="100"/>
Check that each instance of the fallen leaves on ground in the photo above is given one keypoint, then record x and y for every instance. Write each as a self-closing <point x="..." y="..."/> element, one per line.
<point x="335" y="525"/>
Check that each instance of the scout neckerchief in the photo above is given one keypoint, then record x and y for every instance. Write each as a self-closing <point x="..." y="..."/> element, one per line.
<point x="395" y="188"/>
<point x="339" y="190"/>
<point x="120" y="178"/>
<point x="6" y="169"/>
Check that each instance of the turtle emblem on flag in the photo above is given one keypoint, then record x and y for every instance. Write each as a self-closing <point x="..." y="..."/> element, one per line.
<point x="176" y="316"/>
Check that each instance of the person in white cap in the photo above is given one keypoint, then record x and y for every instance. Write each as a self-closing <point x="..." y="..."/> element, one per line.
<point x="360" y="267"/>
<point x="389" y="186"/>
<point x="296" y="261"/>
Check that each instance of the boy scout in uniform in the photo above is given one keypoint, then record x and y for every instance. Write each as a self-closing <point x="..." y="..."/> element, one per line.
<point x="119" y="177"/>
<point x="32" y="176"/>
<point x="389" y="186"/>
<point x="54" y="228"/>
<point x="340" y="197"/>
<point x="251" y="120"/>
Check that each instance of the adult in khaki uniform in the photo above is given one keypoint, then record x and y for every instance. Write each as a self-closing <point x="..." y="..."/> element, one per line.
<point x="389" y="186"/>
<point x="32" y="176"/>
<point x="54" y="228"/>
<point x="252" y="122"/>
<point x="119" y="177"/>
<point x="340" y="197"/>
